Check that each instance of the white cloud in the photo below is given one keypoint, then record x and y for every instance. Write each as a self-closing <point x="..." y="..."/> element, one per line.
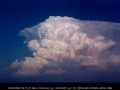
<point x="16" y="64"/>
<point x="31" y="66"/>
<point x="33" y="45"/>
<point x="65" y="38"/>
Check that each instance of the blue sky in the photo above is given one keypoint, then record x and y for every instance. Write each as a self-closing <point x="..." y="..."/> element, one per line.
<point x="15" y="15"/>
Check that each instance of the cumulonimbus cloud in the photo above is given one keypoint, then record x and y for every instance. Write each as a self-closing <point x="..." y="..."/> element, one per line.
<point x="59" y="41"/>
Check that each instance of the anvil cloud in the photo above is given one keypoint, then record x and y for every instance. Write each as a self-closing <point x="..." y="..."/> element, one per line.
<point x="60" y="43"/>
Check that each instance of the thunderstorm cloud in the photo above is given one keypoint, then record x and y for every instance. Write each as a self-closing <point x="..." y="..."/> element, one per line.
<point x="62" y="43"/>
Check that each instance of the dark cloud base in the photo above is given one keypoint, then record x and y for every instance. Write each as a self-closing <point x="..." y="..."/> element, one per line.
<point x="87" y="76"/>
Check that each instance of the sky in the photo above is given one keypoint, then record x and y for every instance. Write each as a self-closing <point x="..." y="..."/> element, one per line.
<point x="59" y="41"/>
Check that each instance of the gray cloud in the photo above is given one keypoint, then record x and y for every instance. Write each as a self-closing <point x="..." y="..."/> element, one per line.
<point x="61" y="43"/>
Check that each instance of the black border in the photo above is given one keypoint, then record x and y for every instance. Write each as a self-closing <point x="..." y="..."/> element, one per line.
<point x="59" y="86"/>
